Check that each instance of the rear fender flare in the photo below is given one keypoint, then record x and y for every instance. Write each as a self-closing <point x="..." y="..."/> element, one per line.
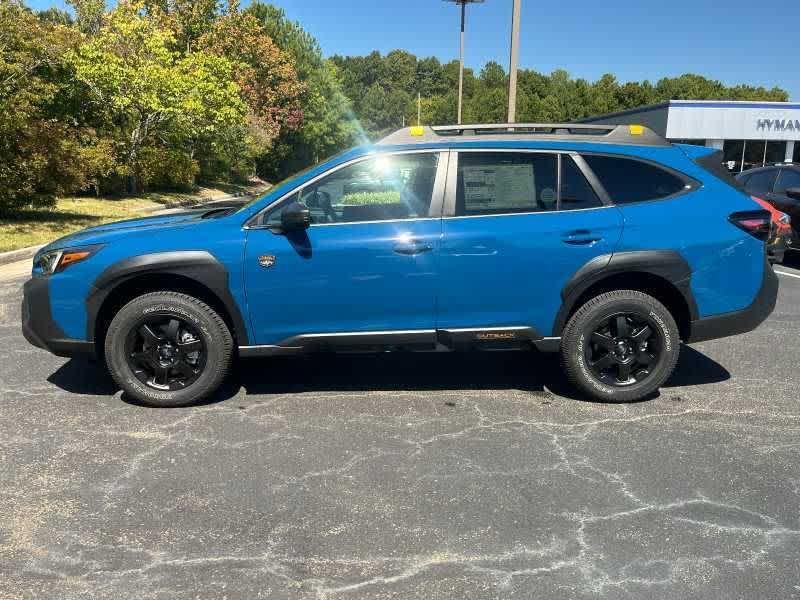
<point x="666" y="264"/>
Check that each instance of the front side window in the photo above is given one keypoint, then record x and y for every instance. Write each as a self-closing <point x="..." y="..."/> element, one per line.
<point x="384" y="187"/>
<point x="505" y="182"/>
<point x="761" y="182"/>
<point x="628" y="180"/>
<point x="789" y="178"/>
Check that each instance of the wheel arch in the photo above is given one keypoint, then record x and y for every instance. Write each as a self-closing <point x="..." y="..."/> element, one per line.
<point x="196" y="273"/>
<point x="663" y="274"/>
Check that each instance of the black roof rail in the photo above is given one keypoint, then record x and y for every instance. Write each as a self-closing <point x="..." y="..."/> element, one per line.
<point x="617" y="134"/>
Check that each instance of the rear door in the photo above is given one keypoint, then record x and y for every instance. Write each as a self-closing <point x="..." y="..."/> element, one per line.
<point x="517" y="226"/>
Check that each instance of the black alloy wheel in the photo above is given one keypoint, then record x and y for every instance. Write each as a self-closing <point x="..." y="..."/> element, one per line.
<point x="622" y="349"/>
<point x="165" y="352"/>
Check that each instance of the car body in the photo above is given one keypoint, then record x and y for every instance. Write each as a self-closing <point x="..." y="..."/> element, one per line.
<point x="605" y="243"/>
<point x="780" y="186"/>
<point x="781" y="236"/>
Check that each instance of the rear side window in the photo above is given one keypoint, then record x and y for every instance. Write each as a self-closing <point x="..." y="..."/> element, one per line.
<point x="628" y="180"/>
<point x="761" y="182"/>
<point x="576" y="193"/>
<point x="713" y="163"/>
<point x="505" y="182"/>
<point x="789" y="178"/>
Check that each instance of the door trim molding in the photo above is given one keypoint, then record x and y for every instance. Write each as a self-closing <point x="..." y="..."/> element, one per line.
<point x="440" y="339"/>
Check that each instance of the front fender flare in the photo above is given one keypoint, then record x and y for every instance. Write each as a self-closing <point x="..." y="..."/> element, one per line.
<point x="199" y="266"/>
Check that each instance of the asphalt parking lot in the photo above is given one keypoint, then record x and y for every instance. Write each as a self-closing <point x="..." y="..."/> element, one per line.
<point x="405" y="476"/>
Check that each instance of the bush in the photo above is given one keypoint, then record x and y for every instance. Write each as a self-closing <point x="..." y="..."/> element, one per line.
<point x="167" y="168"/>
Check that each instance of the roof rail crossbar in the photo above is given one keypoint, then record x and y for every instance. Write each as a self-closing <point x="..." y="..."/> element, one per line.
<point x="619" y="134"/>
<point x="500" y="128"/>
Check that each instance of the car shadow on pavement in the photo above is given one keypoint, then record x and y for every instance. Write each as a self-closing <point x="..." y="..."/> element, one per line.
<point x="490" y="371"/>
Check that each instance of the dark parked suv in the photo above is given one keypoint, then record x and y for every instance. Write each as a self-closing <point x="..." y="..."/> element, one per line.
<point x="607" y="244"/>
<point x="780" y="186"/>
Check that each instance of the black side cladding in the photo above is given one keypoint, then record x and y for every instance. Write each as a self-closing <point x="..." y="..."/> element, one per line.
<point x="198" y="265"/>
<point x="665" y="264"/>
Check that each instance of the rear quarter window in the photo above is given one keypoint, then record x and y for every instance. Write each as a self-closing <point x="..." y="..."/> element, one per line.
<point x="627" y="180"/>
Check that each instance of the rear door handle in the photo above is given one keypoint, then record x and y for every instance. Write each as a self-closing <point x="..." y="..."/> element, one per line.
<point x="411" y="247"/>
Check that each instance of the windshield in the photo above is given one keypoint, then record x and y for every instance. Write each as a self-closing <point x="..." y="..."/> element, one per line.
<point x="289" y="182"/>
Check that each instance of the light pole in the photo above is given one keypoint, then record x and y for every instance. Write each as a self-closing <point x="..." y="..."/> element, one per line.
<point x="512" y="69"/>
<point x="463" y="4"/>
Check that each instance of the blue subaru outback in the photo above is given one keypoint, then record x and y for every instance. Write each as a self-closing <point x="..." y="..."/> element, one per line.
<point x="604" y="243"/>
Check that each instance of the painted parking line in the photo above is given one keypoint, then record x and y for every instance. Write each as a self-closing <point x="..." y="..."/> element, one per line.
<point x="795" y="275"/>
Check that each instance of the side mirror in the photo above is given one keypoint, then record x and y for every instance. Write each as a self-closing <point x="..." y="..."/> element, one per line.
<point x="793" y="192"/>
<point x="295" y="217"/>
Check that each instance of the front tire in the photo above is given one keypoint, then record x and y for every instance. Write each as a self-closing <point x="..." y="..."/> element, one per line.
<point x="620" y="346"/>
<point x="168" y="349"/>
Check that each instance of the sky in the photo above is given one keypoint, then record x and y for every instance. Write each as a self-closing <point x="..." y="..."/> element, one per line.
<point x="735" y="41"/>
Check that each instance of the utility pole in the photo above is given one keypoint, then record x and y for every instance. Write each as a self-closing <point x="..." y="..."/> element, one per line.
<point x="463" y="4"/>
<point x="512" y="70"/>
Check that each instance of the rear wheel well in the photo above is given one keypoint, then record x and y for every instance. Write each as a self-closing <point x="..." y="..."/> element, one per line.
<point x="647" y="283"/>
<point x="154" y="282"/>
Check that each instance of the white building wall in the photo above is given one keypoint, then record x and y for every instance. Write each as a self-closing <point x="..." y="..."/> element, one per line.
<point x="729" y="121"/>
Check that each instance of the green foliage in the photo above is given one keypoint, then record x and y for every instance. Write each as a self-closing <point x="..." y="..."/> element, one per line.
<point x="55" y="16"/>
<point x="88" y="14"/>
<point x="161" y="93"/>
<point x="167" y="168"/>
<point x="371" y="198"/>
<point x="147" y="94"/>
<point x="38" y="137"/>
<point x="327" y="125"/>
<point x="383" y="91"/>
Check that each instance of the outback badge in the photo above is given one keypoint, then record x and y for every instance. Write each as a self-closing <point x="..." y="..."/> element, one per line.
<point x="266" y="260"/>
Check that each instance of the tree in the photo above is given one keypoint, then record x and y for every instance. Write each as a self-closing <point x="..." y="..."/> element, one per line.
<point x="265" y="75"/>
<point x="151" y="96"/>
<point x="41" y="145"/>
<point x="55" y="16"/>
<point x="328" y="124"/>
<point x="190" y="19"/>
<point x="88" y="14"/>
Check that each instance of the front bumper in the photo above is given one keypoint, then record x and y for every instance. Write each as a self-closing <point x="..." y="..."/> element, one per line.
<point x="740" y="321"/>
<point x="38" y="325"/>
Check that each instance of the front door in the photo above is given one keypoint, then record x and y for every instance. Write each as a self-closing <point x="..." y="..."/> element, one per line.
<point x="368" y="262"/>
<point x="520" y="226"/>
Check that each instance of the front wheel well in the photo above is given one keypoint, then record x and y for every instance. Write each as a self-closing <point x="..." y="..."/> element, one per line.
<point x="653" y="285"/>
<point x="154" y="282"/>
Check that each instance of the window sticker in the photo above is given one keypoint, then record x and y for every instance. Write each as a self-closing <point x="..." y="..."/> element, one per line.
<point x="495" y="187"/>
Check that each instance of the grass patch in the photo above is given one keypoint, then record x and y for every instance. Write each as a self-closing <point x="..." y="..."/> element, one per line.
<point x="34" y="227"/>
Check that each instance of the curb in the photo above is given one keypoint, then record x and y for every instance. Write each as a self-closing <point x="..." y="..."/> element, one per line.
<point x="17" y="255"/>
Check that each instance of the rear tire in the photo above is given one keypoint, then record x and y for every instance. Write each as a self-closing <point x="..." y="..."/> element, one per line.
<point x="168" y="349"/>
<point x="620" y="346"/>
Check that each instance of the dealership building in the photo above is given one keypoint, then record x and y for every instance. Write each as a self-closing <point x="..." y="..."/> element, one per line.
<point x="750" y="134"/>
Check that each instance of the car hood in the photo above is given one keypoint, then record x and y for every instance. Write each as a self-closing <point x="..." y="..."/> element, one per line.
<point x="103" y="233"/>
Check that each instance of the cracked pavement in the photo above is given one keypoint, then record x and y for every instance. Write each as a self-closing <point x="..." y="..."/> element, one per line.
<point x="473" y="476"/>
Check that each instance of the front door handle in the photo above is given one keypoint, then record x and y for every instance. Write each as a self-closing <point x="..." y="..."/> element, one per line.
<point x="411" y="247"/>
<point x="581" y="237"/>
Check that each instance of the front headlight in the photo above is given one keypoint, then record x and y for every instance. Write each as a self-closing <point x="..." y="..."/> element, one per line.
<point x="54" y="261"/>
<point x="48" y="261"/>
